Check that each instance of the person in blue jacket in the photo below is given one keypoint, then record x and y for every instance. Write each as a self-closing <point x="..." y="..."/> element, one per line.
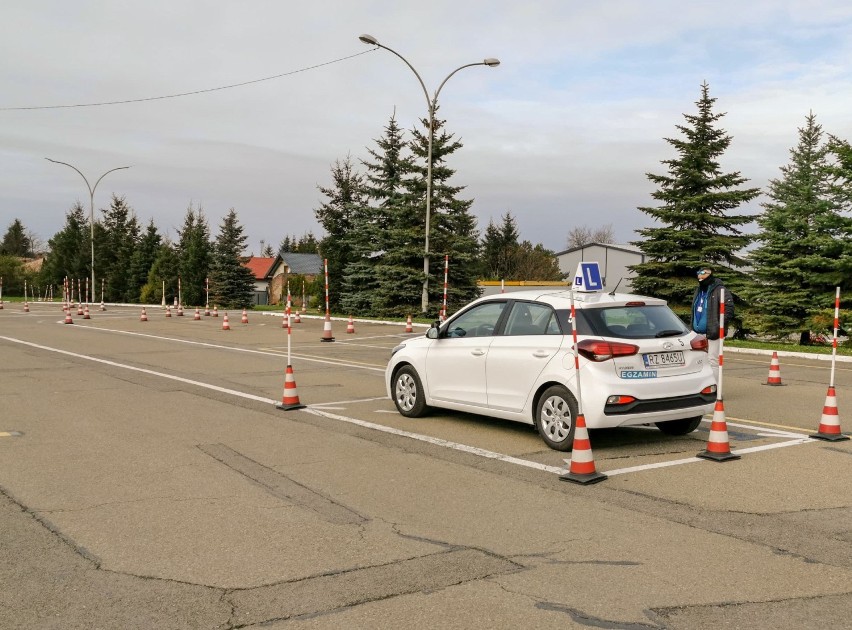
<point x="705" y="312"/>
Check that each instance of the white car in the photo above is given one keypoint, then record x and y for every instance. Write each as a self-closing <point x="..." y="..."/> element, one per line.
<point x="511" y="356"/>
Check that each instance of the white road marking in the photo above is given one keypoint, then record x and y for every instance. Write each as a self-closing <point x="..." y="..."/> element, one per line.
<point x="473" y="450"/>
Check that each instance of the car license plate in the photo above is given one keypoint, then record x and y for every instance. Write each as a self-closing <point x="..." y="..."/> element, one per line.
<point x="663" y="359"/>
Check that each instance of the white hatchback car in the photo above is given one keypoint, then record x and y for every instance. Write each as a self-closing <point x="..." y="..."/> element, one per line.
<point x="511" y="356"/>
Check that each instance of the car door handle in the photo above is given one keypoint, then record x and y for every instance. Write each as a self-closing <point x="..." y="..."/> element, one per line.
<point x="477" y="352"/>
<point x="541" y="354"/>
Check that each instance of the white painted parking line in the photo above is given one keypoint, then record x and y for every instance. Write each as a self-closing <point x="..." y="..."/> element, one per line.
<point x="473" y="450"/>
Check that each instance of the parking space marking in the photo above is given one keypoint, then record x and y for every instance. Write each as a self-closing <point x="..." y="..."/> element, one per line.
<point x="10" y="434"/>
<point x="385" y="429"/>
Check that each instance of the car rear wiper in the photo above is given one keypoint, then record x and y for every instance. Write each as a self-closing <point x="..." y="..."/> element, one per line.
<point x="668" y="333"/>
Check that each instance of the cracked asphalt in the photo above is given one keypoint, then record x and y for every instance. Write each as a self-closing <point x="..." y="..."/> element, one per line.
<point x="147" y="481"/>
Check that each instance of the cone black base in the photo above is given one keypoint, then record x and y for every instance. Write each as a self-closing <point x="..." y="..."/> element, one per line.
<point x="830" y="437"/>
<point x="717" y="457"/>
<point x="774" y="384"/>
<point x="583" y="478"/>
<point x="327" y="339"/>
<point x="290" y="407"/>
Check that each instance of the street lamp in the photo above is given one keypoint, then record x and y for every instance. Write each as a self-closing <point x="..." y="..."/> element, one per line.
<point x="91" y="208"/>
<point x="432" y="105"/>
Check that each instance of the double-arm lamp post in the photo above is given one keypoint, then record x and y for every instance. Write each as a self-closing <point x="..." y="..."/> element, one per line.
<point x="432" y="105"/>
<point x="91" y="208"/>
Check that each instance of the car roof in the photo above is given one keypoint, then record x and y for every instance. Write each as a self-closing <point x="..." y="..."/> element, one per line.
<point x="561" y="299"/>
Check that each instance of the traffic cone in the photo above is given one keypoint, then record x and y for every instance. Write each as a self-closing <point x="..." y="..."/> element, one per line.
<point x="206" y="310"/>
<point x="79" y="309"/>
<point x="290" y="400"/>
<point x="244" y="319"/>
<point x="26" y="307"/>
<point x="296" y="318"/>
<point x="350" y="326"/>
<point x="144" y="316"/>
<point x="215" y="311"/>
<point x="86" y="314"/>
<point x="582" y="468"/>
<point x="180" y="310"/>
<point x="225" y="324"/>
<point x="197" y="314"/>
<point x="103" y="306"/>
<point x="68" y="319"/>
<point x="168" y="311"/>
<point x="774" y="377"/>
<point x="408" y="326"/>
<point x="829" y="423"/>
<point x="718" y="445"/>
<point x="326" y="329"/>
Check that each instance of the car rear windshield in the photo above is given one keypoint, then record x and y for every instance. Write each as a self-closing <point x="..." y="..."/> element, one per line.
<point x="630" y="322"/>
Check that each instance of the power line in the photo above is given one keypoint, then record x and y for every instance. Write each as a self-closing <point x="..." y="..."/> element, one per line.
<point x="158" y="98"/>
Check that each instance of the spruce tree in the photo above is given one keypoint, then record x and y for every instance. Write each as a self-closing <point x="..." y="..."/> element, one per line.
<point x="194" y="251"/>
<point x="114" y="249"/>
<point x="15" y="241"/>
<point x="341" y="216"/>
<point x="142" y="260"/>
<point x="805" y="249"/>
<point x="231" y="284"/>
<point x="499" y="245"/>
<point x="697" y="200"/>
<point x="162" y="277"/>
<point x="69" y="255"/>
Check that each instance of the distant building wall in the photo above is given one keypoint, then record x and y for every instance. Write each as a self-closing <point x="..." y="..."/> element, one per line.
<point x="613" y="260"/>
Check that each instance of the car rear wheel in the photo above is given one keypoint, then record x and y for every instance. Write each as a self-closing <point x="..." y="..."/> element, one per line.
<point x="408" y="393"/>
<point x="679" y="427"/>
<point x="554" y="417"/>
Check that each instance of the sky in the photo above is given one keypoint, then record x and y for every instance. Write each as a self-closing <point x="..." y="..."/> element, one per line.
<point x="560" y="135"/>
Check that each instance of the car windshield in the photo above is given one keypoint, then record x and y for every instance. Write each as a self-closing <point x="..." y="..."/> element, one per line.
<point x="634" y="322"/>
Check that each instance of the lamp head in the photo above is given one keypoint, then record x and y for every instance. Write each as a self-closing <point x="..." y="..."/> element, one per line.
<point x="491" y="62"/>
<point x="369" y="39"/>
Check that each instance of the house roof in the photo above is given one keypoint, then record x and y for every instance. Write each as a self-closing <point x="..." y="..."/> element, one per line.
<point x="260" y="267"/>
<point x="303" y="264"/>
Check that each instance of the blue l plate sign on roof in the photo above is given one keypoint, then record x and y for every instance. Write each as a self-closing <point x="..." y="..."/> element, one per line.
<point x="588" y="277"/>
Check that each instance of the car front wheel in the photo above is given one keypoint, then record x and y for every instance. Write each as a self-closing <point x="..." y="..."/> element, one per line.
<point x="555" y="417"/>
<point x="408" y="393"/>
<point x="679" y="427"/>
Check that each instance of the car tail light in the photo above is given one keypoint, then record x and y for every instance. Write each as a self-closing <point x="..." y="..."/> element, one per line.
<point x="710" y="389"/>
<point x="699" y="343"/>
<point x="619" y="400"/>
<point x="595" y="350"/>
<point x="635" y="304"/>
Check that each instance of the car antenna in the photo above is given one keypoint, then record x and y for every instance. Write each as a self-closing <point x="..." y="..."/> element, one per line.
<point x="616" y="286"/>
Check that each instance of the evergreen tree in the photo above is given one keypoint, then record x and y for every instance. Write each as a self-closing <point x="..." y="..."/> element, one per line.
<point x="162" y="276"/>
<point x="697" y="198"/>
<point x="499" y="247"/>
<point x="534" y="262"/>
<point x="805" y="242"/>
<point x="15" y="241"/>
<point x="114" y="250"/>
<point x="12" y="273"/>
<point x="453" y="229"/>
<point x="194" y="251"/>
<point x="231" y="284"/>
<point x="69" y="255"/>
<point x="307" y="244"/>
<point x="142" y="260"/>
<point x="340" y="216"/>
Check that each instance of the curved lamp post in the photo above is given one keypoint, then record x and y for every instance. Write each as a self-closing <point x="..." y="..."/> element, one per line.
<point x="432" y="105"/>
<point x="91" y="208"/>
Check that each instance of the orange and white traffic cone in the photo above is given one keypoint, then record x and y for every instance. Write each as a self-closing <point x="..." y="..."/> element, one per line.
<point x="103" y="306"/>
<point x="244" y="318"/>
<point x="168" y="311"/>
<point x="197" y="314"/>
<point x="206" y="310"/>
<point x="144" y="316"/>
<point x="829" y="423"/>
<point x="290" y="400"/>
<point x="582" y="468"/>
<point x="26" y="307"/>
<point x="180" y="310"/>
<point x="215" y="311"/>
<point x="225" y="324"/>
<point x="297" y="318"/>
<point x="86" y="314"/>
<point x="350" y="326"/>
<point x="774" y="377"/>
<point x="326" y="329"/>
<point x="408" y="326"/>
<point x="718" y="445"/>
<point x="68" y="319"/>
<point x="79" y="308"/>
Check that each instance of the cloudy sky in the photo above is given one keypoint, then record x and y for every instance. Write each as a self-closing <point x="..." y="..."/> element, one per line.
<point x="560" y="134"/>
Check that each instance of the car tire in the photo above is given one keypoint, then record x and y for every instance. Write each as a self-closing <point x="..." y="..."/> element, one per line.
<point x="555" y="416"/>
<point x="408" y="395"/>
<point x="679" y="427"/>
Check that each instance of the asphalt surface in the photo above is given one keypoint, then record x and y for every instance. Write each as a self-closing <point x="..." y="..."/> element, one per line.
<point x="147" y="480"/>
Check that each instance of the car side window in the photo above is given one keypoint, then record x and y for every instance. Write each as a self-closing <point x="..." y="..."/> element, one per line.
<point x="527" y="318"/>
<point x="479" y="321"/>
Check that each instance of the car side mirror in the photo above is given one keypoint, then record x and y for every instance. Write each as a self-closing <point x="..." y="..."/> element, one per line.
<point x="433" y="331"/>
